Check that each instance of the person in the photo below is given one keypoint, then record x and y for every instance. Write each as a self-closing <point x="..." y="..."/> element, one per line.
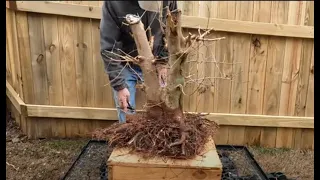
<point x="116" y="39"/>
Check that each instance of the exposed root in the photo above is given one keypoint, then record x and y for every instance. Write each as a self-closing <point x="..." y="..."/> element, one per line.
<point x="134" y="139"/>
<point x="13" y="166"/>
<point x="161" y="137"/>
<point x="182" y="140"/>
<point x="181" y="88"/>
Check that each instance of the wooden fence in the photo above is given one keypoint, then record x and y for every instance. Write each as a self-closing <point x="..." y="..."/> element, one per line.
<point x="58" y="88"/>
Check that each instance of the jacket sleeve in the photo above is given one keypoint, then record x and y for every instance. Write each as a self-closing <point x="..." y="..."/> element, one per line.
<point x="109" y="41"/>
<point x="159" y="49"/>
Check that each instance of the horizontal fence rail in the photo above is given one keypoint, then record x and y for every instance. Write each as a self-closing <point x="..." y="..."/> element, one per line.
<point x="40" y="121"/>
<point x="111" y="114"/>
<point x="226" y="25"/>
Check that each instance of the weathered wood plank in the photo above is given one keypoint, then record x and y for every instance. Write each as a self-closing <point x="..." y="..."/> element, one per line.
<point x="208" y="160"/>
<point x="223" y="71"/>
<point x="14" y="98"/>
<point x="26" y="68"/>
<point x="210" y="67"/>
<point x="8" y="64"/>
<point x="296" y="138"/>
<point x="284" y="138"/>
<point x="310" y="96"/>
<point x="66" y="55"/>
<point x="274" y="68"/>
<point x="20" y="117"/>
<point x="224" y="57"/>
<point x="296" y="56"/>
<point x="189" y="66"/>
<point x="303" y="79"/>
<point x="16" y="115"/>
<point x="204" y="68"/>
<point x="39" y="68"/>
<point x="84" y="66"/>
<point x="221" y="118"/>
<point x="83" y="61"/>
<point x="261" y="120"/>
<point x="257" y="70"/>
<point x="222" y="135"/>
<point x="193" y="65"/>
<point x="276" y="50"/>
<point x="68" y="70"/>
<point x="11" y="5"/>
<point x="25" y="56"/>
<point x="32" y="129"/>
<point x="60" y="8"/>
<point x="71" y="112"/>
<point x="51" y="39"/>
<point x="307" y="138"/>
<point x="13" y="51"/>
<point x="306" y="55"/>
<point x="244" y="11"/>
<point x="150" y="173"/>
<point x="102" y="89"/>
<point x="291" y="69"/>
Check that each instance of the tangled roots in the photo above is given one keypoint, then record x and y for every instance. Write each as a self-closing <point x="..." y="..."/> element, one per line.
<point x="162" y="138"/>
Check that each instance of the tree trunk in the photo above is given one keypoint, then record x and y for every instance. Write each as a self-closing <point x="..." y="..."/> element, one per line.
<point x="163" y="100"/>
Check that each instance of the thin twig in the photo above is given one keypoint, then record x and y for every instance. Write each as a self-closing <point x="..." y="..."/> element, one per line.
<point x="201" y="79"/>
<point x="13" y="166"/>
<point x="116" y="76"/>
<point x="213" y="62"/>
<point x="215" y="39"/>
<point x="181" y="88"/>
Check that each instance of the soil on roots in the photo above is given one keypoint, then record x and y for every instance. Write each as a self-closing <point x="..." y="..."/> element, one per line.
<point x="151" y="137"/>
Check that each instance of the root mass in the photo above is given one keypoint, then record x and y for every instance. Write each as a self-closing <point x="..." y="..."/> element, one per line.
<point x="161" y="137"/>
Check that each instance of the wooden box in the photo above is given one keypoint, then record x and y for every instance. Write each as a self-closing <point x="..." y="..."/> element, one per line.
<point x="125" y="166"/>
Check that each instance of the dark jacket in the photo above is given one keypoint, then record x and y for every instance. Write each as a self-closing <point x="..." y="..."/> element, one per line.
<point x="116" y="35"/>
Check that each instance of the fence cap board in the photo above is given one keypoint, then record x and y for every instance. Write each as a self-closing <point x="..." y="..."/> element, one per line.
<point x="235" y="26"/>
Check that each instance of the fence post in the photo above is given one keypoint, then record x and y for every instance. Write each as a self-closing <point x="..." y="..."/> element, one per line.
<point x="11" y="5"/>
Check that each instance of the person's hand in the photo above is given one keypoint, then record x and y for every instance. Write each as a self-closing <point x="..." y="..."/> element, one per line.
<point x="162" y="75"/>
<point x="123" y="97"/>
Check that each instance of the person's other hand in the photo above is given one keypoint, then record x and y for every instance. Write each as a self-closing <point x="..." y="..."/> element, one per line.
<point x="123" y="97"/>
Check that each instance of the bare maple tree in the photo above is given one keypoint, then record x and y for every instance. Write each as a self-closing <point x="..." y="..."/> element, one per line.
<point x="167" y="101"/>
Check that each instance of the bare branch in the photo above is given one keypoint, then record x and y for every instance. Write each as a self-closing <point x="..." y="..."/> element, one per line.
<point x="207" y="78"/>
<point x="181" y="88"/>
<point x="205" y="33"/>
<point x="215" y="39"/>
<point x="117" y="75"/>
<point x="213" y="62"/>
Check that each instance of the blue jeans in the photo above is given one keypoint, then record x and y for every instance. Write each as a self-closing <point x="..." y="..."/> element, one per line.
<point x="132" y="76"/>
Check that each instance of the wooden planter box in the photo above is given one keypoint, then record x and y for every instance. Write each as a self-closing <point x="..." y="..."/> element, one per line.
<point x="125" y="166"/>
